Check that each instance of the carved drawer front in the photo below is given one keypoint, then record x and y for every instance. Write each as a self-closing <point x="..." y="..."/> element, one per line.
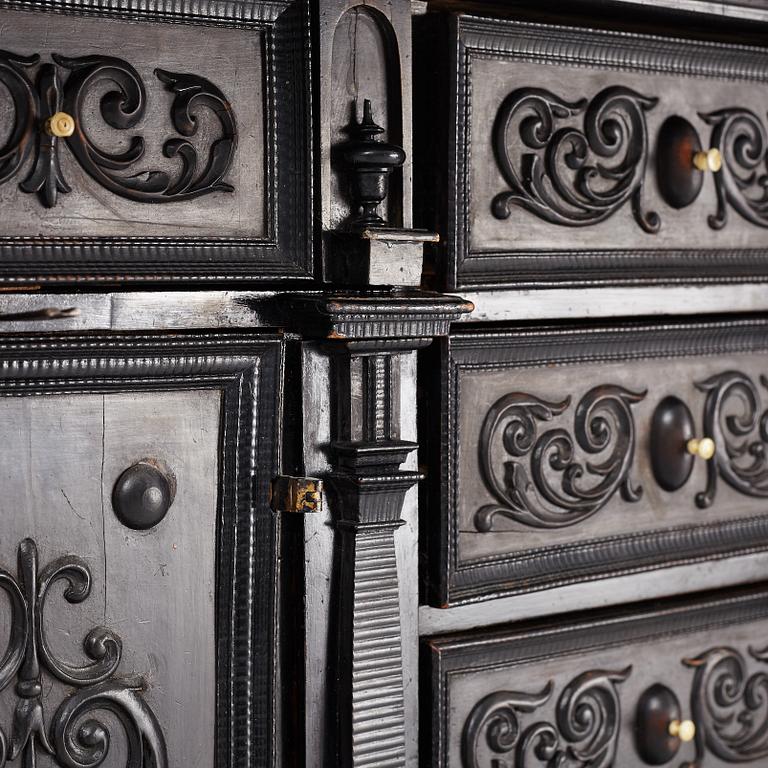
<point x="681" y="684"/>
<point x="137" y="550"/>
<point x="574" y="454"/>
<point x="577" y="155"/>
<point x="153" y="144"/>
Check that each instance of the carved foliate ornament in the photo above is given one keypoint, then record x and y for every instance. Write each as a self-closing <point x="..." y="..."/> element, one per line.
<point x="76" y="738"/>
<point x="526" y="490"/>
<point x="36" y="105"/>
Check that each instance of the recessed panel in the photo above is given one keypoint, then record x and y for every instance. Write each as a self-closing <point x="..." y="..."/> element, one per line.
<point x="160" y="145"/>
<point x="228" y="59"/>
<point x="549" y="143"/>
<point x="155" y="589"/>
<point x="573" y="691"/>
<point x="554" y="473"/>
<point x="115" y="637"/>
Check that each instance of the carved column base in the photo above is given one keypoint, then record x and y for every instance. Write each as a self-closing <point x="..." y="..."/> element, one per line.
<point x="371" y="489"/>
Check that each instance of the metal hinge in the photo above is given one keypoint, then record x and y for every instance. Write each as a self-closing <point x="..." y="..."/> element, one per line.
<point x="296" y="494"/>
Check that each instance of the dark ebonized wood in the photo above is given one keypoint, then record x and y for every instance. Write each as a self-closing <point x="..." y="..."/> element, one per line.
<point x="246" y="369"/>
<point x="671" y="428"/>
<point x="283" y="252"/>
<point x="538" y="477"/>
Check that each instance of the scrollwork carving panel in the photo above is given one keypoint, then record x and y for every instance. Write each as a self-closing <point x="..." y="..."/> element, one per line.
<point x="187" y="154"/>
<point x="736" y="418"/>
<point x="121" y="109"/>
<point x="570" y="692"/>
<point x="728" y="705"/>
<point x="603" y="428"/>
<point x="550" y="458"/>
<point x="148" y="129"/>
<point x="584" y="734"/>
<point x="568" y="174"/>
<point x="65" y="734"/>
<point x="553" y="134"/>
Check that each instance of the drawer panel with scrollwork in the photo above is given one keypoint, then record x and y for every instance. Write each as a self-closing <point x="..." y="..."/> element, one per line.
<point x="137" y="550"/>
<point x="157" y="144"/>
<point x="571" y="454"/>
<point x="677" y="684"/>
<point x="576" y="155"/>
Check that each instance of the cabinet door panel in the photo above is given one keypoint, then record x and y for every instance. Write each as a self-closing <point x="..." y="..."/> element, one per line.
<point x="188" y="602"/>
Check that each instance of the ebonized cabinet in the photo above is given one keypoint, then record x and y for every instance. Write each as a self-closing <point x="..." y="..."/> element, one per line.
<point x="383" y="383"/>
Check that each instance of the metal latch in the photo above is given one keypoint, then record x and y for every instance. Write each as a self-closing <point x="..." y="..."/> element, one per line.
<point x="296" y="494"/>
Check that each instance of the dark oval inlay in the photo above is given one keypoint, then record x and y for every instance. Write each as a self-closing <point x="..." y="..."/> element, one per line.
<point x="671" y="428"/>
<point x="678" y="180"/>
<point x="656" y="709"/>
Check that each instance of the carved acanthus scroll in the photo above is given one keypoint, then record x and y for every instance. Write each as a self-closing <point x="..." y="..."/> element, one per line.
<point x="742" y="181"/>
<point x="121" y="108"/>
<point x="573" y="176"/>
<point x="585" y="733"/>
<point x="733" y="419"/>
<point x="77" y="738"/>
<point x="526" y="491"/>
<point x="729" y="706"/>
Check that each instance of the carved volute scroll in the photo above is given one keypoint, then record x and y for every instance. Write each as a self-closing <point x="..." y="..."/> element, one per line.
<point x="573" y="176"/>
<point x="77" y="738"/>
<point x="728" y="704"/>
<point x="734" y="419"/>
<point x="526" y="491"/>
<point x="122" y="109"/>
<point x="504" y="729"/>
<point x="14" y="75"/>
<point x="742" y="181"/>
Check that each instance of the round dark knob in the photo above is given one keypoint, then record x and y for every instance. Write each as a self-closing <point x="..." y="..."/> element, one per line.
<point x="143" y="495"/>
<point x="679" y="162"/>
<point x="671" y="430"/>
<point x="659" y="729"/>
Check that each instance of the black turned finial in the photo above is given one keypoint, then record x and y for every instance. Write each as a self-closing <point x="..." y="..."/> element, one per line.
<point x="371" y="161"/>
